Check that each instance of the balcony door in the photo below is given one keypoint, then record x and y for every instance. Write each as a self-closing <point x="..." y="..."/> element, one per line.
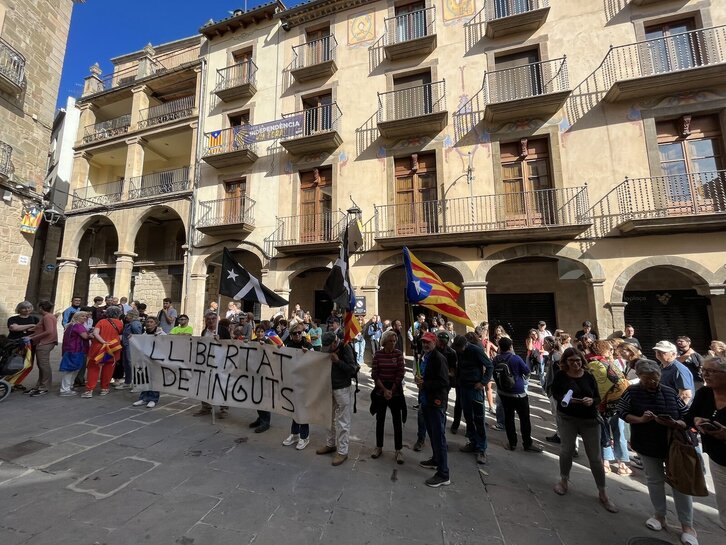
<point x="239" y="123"/>
<point x="527" y="179"/>
<point x="412" y="97"/>
<point x="417" y="207"/>
<point x="505" y="8"/>
<point x="691" y="160"/>
<point x="316" y="205"/>
<point x="521" y="76"/>
<point x="234" y="199"/>
<point x="317" y="47"/>
<point x="242" y="73"/>
<point x="671" y="47"/>
<point x="410" y="21"/>
<point x="318" y="114"/>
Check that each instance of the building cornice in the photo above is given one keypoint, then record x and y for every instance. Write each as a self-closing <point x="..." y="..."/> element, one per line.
<point x="316" y="9"/>
<point x="180" y="44"/>
<point x="242" y="19"/>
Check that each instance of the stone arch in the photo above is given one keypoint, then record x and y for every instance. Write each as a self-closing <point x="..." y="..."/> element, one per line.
<point x="73" y="234"/>
<point x="700" y="275"/>
<point x="127" y="238"/>
<point x="555" y="251"/>
<point x="426" y="256"/>
<point x="300" y="266"/>
<point x="201" y="262"/>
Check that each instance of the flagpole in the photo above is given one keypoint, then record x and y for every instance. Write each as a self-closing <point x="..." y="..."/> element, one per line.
<point x="416" y="369"/>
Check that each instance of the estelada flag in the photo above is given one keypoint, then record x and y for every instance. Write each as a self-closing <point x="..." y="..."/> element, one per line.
<point x="425" y="288"/>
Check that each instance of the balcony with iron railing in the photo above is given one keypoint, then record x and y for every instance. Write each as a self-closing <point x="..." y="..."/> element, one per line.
<point x="159" y="184"/>
<point x="6" y="156"/>
<point x="675" y="203"/>
<point x="168" y="112"/>
<point x="535" y="90"/>
<point x="320" y="130"/>
<point x="236" y="81"/>
<point x="104" y="130"/>
<point x="228" y="216"/>
<point x="504" y="17"/>
<point x="545" y="214"/>
<point x="413" y="111"/>
<point x="92" y="195"/>
<point x="307" y="233"/>
<point x="686" y="61"/>
<point x="12" y="69"/>
<point x="314" y="59"/>
<point x="410" y="34"/>
<point x="229" y="147"/>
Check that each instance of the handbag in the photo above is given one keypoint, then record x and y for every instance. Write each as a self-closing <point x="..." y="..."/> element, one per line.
<point x="684" y="471"/>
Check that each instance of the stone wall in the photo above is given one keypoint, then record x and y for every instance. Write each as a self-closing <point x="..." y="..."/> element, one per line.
<point x="152" y="285"/>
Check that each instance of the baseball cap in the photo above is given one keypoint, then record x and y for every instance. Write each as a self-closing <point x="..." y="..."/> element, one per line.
<point x="541" y="323"/>
<point x="443" y="336"/>
<point x="665" y="346"/>
<point x="328" y="338"/>
<point x="429" y="337"/>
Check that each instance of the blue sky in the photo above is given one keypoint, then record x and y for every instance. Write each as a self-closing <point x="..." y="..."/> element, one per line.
<point x="102" y="29"/>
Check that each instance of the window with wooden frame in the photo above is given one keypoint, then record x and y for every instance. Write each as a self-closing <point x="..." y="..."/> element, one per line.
<point x="417" y="207"/>
<point x="317" y="46"/>
<point x="238" y="118"/>
<point x="413" y="96"/>
<point x="235" y="191"/>
<point x="316" y="205"/>
<point x="517" y="75"/>
<point x="527" y="181"/>
<point x="670" y="47"/>
<point x="318" y="113"/>
<point x="691" y="158"/>
<point x="242" y="58"/>
<point x="410" y="21"/>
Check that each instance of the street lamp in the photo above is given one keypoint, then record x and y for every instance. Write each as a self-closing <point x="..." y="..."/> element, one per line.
<point x="52" y="216"/>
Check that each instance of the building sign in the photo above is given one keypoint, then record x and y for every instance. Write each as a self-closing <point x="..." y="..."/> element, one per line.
<point x="360" y="304"/>
<point x="288" y="127"/>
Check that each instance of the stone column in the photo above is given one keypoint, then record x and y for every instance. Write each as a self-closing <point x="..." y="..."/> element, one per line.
<point x="134" y="164"/>
<point x="475" y="300"/>
<point x="81" y="170"/>
<point x="617" y="310"/>
<point x="124" y="268"/>
<point x="196" y="301"/>
<point x="602" y="325"/>
<point x="67" y="269"/>
<point x="139" y="102"/>
<point x="371" y="295"/>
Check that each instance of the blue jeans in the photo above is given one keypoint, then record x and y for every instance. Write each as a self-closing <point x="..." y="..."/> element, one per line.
<point x="472" y="407"/>
<point x="435" y="426"/>
<point x="303" y="430"/>
<point x="500" y="412"/>
<point x="421" y="434"/>
<point x="360" y="351"/>
<point x="149" y="395"/>
<point x="126" y="360"/>
<point x="619" y="450"/>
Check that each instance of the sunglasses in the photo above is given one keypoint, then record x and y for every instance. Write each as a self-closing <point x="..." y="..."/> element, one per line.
<point x="296" y="333"/>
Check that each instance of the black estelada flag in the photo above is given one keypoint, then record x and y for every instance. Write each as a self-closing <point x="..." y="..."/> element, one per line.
<point x="337" y="285"/>
<point x="239" y="284"/>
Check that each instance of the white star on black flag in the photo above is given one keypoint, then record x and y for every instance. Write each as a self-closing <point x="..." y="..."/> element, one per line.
<point x="238" y="284"/>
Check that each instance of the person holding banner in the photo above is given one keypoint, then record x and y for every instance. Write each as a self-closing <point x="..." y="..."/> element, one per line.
<point x="342" y="371"/>
<point x="104" y="352"/>
<point x="150" y="398"/>
<point x="262" y="423"/>
<point x="211" y="330"/>
<point x="299" y="433"/>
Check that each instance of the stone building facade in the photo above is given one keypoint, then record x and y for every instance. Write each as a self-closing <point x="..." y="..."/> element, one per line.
<point x="506" y="143"/>
<point x="33" y="36"/>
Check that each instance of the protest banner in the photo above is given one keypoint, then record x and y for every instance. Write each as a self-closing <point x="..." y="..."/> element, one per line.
<point x="285" y="381"/>
<point x="288" y="127"/>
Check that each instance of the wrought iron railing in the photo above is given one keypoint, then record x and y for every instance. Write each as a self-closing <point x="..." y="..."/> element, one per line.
<point x="542" y="208"/>
<point x="318" y="120"/>
<point x="426" y="99"/>
<point x="326" y="226"/>
<point x="410" y="26"/>
<point x="314" y="52"/>
<point x="12" y="64"/>
<point x="107" y="129"/>
<point x="228" y="211"/>
<point x="692" y="194"/>
<point x="97" y="195"/>
<point x="165" y="113"/>
<point x="498" y="9"/>
<point x="535" y="79"/>
<point x="6" y="155"/>
<point x="236" y="75"/>
<point x="674" y="53"/>
<point x="159" y="183"/>
<point x="228" y="140"/>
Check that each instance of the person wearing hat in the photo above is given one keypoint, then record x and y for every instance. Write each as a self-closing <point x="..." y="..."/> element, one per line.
<point x="673" y="373"/>
<point x="342" y="370"/>
<point x="433" y="384"/>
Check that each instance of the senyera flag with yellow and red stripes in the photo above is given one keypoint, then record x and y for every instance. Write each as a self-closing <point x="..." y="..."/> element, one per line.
<point x="425" y="288"/>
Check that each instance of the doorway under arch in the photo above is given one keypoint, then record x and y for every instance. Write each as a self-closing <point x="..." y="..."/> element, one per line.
<point x="306" y="290"/>
<point x="97" y="266"/>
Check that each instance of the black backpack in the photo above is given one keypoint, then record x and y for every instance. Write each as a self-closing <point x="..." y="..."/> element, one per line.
<point x="503" y="377"/>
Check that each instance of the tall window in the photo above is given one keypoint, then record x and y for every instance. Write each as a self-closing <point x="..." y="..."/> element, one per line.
<point x="316" y="205"/>
<point x="318" y="114"/>
<point x="526" y="177"/>
<point x="669" y="48"/>
<point x="318" y="46"/>
<point x="416" y="196"/>
<point x="410" y="21"/>
<point x="691" y="159"/>
<point x="522" y="76"/>
<point x="242" y="58"/>
<point x="413" y="96"/>
<point x="234" y="199"/>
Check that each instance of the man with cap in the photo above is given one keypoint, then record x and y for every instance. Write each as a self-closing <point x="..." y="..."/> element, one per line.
<point x="433" y="384"/>
<point x="673" y="373"/>
<point x="342" y="370"/>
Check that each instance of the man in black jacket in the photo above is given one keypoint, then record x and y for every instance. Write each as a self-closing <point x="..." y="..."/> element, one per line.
<point x="434" y="386"/>
<point x="474" y="372"/>
<point x="342" y="370"/>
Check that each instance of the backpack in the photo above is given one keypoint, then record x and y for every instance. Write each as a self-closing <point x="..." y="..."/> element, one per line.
<point x="503" y="377"/>
<point x="620" y="384"/>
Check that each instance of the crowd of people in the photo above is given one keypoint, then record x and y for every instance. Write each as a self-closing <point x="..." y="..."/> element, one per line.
<point x="626" y="409"/>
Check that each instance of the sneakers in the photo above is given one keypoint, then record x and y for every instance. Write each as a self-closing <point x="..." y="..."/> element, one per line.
<point x="469" y="447"/>
<point x="121" y="386"/>
<point x="399" y="457"/>
<point x="429" y="464"/>
<point x="262" y="428"/>
<point x="326" y="450"/>
<point x="69" y="393"/>
<point x="418" y="445"/>
<point x="339" y="458"/>
<point x="553" y="439"/>
<point x="437" y="481"/>
<point x="138" y="403"/>
<point x="87" y="394"/>
<point x="104" y="392"/>
<point x="533" y="448"/>
<point x="302" y="443"/>
<point x="30" y="392"/>
<point x="376" y="452"/>
<point x="291" y="440"/>
<point x="481" y="458"/>
<point x="151" y="404"/>
<point x="39" y="393"/>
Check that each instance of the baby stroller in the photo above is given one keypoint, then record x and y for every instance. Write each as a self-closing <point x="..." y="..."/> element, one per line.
<point x="16" y="361"/>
